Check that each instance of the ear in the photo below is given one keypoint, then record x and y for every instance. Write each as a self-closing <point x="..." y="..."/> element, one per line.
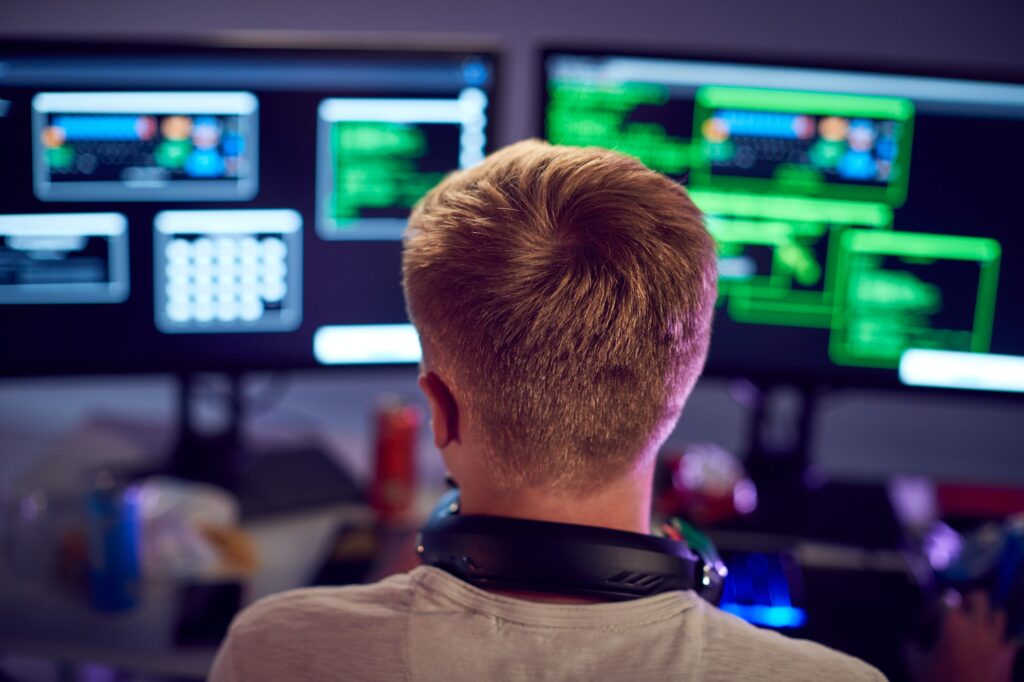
<point x="444" y="411"/>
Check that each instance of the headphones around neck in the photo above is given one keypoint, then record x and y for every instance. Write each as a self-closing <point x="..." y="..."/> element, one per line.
<point x="499" y="552"/>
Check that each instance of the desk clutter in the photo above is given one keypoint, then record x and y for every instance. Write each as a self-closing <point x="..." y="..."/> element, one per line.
<point x="100" y="537"/>
<point x="166" y="563"/>
<point x="109" y="547"/>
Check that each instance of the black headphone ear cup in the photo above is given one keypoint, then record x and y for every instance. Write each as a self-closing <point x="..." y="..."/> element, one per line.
<point x="710" y="584"/>
<point x="712" y="590"/>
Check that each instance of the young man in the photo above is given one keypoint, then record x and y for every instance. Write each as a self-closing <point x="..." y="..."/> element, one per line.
<point x="563" y="299"/>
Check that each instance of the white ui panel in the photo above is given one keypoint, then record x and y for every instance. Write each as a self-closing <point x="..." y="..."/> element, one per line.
<point x="63" y="258"/>
<point x="377" y="157"/>
<point x="145" y="146"/>
<point x="228" y="271"/>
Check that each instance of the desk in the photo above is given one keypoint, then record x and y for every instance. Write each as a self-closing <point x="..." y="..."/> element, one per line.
<point x="40" y="618"/>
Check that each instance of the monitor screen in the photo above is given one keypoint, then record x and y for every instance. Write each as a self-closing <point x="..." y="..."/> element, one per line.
<point x="868" y="223"/>
<point x="176" y="207"/>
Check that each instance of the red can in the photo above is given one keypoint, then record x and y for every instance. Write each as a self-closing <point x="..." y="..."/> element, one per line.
<point x="394" y="481"/>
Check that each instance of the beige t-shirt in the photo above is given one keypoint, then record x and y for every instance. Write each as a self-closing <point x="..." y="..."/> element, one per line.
<point x="428" y="625"/>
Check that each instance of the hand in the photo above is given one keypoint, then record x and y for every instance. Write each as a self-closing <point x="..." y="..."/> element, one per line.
<point x="972" y="643"/>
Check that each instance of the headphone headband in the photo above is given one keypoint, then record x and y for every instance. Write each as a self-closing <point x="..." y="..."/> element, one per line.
<point x="499" y="552"/>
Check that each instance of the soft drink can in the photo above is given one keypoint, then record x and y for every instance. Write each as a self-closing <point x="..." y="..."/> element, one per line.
<point x="394" y="481"/>
<point x="113" y="524"/>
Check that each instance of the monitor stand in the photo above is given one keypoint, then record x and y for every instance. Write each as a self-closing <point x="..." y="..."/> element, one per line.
<point x="795" y="498"/>
<point x="266" y="481"/>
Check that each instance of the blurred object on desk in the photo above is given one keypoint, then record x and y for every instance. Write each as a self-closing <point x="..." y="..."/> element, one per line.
<point x="991" y="559"/>
<point x="29" y="536"/>
<point x="191" y="531"/>
<point x="979" y="501"/>
<point x="192" y="538"/>
<point x="44" y="541"/>
<point x="171" y="633"/>
<point x="112" y="531"/>
<point x="705" y="484"/>
<point x="393" y="489"/>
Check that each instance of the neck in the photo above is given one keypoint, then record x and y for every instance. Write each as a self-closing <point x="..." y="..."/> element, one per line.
<point x="623" y="504"/>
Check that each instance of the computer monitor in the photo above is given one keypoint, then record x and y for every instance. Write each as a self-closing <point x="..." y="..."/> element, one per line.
<point x="868" y="222"/>
<point x="220" y="205"/>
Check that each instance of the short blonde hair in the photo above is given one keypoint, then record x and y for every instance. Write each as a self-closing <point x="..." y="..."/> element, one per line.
<point x="567" y="295"/>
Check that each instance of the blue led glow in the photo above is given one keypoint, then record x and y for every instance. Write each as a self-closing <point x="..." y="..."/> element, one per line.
<point x="233" y="145"/>
<point x="98" y="127"/>
<point x="857" y="166"/>
<point x="204" y="163"/>
<point x="758" y="591"/>
<point x="759" y="123"/>
<point x="474" y="72"/>
<point x="768" y="616"/>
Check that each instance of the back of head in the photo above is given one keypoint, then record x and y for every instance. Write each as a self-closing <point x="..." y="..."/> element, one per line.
<point x="566" y="295"/>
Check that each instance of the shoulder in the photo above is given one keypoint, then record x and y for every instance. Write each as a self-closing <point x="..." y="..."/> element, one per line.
<point x="305" y="633"/>
<point x="736" y="650"/>
<point x="327" y="605"/>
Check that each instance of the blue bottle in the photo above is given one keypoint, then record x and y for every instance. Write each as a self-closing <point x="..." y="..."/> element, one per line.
<point x="113" y="529"/>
